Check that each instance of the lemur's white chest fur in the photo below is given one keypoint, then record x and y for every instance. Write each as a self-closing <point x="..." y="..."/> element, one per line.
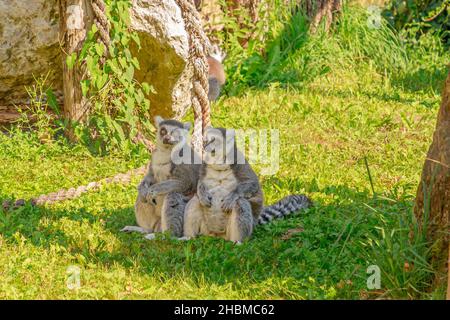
<point x="161" y="164"/>
<point x="219" y="183"/>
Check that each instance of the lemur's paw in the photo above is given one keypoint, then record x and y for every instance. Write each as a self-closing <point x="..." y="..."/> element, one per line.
<point x="150" y="236"/>
<point x="184" y="238"/>
<point x="206" y="201"/>
<point x="152" y="192"/>
<point x="133" y="229"/>
<point x="151" y="196"/>
<point x="228" y="203"/>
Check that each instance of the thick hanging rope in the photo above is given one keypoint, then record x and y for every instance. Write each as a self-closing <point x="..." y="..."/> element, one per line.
<point x="198" y="48"/>
<point x="102" y="24"/>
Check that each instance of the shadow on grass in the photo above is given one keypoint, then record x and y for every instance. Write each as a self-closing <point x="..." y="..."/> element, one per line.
<point x="422" y="79"/>
<point x="323" y="243"/>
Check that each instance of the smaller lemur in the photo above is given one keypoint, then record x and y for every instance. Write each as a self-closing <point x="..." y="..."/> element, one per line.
<point x="216" y="75"/>
<point x="169" y="184"/>
<point x="229" y="202"/>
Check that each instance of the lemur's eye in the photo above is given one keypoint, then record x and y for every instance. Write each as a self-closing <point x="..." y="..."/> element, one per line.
<point x="163" y="131"/>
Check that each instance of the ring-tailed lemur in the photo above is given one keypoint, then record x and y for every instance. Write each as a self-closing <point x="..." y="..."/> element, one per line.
<point x="229" y="202"/>
<point x="216" y="73"/>
<point x="170" y="182"/>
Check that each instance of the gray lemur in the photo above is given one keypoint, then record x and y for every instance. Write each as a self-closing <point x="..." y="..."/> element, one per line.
<point x="229" y="202"/>
<point x="170" y="182"/>
<point x="216" y="73"/>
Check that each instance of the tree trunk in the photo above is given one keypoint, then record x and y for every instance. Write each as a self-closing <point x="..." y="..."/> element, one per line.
<point x="448" y="273"/>
<point x="76" y="18"/>
<point x="432" y="205"/>
<point x="320" y="10"/>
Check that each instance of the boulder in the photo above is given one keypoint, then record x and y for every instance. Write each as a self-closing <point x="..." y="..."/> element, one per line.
<point x="163" y="56"/>
<point x="29" y="49"/>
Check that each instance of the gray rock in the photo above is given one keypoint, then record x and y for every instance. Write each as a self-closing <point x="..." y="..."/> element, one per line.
<point x="163" y="56"/>
<point x="29" y="47"/>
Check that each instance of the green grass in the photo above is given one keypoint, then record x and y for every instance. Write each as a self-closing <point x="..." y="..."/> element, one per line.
<point x="326" y="130"/>
<point x="329" y="123"/>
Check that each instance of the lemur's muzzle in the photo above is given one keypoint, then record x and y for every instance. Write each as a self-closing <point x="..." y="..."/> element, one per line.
<point x="169" y="140"/>
<point x="166" y="140"/>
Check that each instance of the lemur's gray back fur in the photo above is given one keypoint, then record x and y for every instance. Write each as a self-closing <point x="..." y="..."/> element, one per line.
<point x="229" y="201"/>
<point x="214" y="89"/>
<point x="284" y="207"/>
<point x="168" y="184"/>
<point x="185" y="177"/>
<point x="264" y="214"/>
<point x="187" y="173"/>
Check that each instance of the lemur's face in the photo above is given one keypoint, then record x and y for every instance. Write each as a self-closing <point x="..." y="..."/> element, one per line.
<point x="171" y="132"/>
<point x="218" y="146"/>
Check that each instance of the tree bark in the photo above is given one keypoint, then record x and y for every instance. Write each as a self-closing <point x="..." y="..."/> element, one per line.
<point x="448" y="273"/>
<point x="76" y="18"/>
<point x="432" y="205"/>
<point x="319" y="11"/>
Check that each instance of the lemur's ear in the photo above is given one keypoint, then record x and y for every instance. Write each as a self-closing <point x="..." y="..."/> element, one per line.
<point x="158" y="120"/>
<point x="187" y="126"/>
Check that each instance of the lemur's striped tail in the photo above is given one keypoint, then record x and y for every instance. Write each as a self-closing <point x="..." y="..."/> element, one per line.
<point x="284" y="207"/>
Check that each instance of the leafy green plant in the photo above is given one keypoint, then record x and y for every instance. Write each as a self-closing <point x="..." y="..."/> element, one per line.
<point x="401" y="255"/>
<point x="259" y="51"/>
<point x="419" y="17"/>
<point x="119" y="107"/>
<point x="281" y="51"/>
<point x="42" y="113"/>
